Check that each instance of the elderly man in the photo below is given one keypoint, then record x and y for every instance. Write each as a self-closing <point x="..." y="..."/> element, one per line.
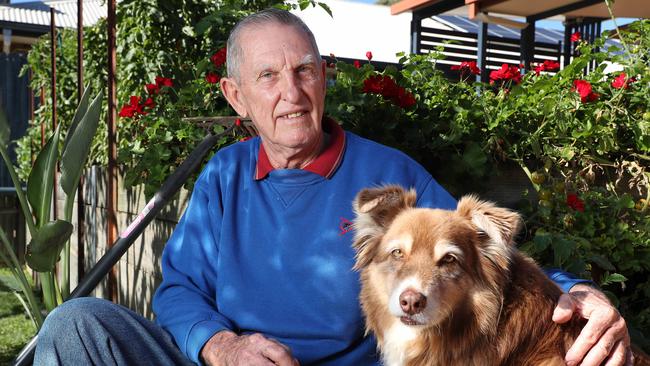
<point x="258" y="271"/>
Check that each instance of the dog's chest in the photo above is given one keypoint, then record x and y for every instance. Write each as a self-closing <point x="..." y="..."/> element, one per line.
<point x="395" y="345"/>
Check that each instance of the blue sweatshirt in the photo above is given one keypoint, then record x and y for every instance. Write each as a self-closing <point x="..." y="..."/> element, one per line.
<point x="274" y="255"/>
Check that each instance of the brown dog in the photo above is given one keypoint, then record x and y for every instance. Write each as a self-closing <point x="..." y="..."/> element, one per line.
<point x="450" y="288"/>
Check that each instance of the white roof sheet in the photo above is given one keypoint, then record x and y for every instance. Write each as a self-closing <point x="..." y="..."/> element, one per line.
<point x="38" y="12"/>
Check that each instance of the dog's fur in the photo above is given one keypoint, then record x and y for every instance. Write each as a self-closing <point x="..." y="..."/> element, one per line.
<point x="485" y="303"/>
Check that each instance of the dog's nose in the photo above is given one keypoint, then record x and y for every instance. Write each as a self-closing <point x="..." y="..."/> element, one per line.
<point x="412" y="302"/>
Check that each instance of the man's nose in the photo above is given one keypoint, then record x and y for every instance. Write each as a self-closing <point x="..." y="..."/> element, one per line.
<point x="290" y="89"/>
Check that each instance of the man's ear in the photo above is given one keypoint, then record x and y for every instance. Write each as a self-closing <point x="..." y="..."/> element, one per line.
<point x="323" y="66"/>
<point x="231" y="90"/>
<point x="375" y="210"/>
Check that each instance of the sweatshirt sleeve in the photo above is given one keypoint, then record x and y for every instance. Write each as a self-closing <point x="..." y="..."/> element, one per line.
<point x="184" y="303"/>
<point x="563" y="279"/>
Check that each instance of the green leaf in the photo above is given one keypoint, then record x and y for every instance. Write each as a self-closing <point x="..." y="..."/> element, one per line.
<point x="326" y="8"/>
<point x="602" y="262"/>
<point x="613" y="278"/>
<point x="9" y="283"/>
<point x="203" y="25"/>
<point x="5" y="130"/>
<point x="41" y="179"/>
<point x="44" y="249"/>
<point x="74" y="156"/>
<point x="78" y="114"/>
<point x="562" y="250"/>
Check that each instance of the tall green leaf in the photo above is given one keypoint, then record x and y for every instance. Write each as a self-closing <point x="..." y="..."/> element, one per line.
<point x="5" y="131"/>
<point x="44" y="249"/>
<point x="78" y="115"/>
<point x="76" y="151"/>
<point x="40" y="183"/>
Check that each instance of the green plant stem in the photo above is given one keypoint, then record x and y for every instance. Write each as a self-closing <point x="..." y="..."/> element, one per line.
<point x="29" y="218"/>
<point x="17" y="271"/>
<point x="49" y="290"/>
<point x="608" y="3"/>
<point x="65" y="281"/>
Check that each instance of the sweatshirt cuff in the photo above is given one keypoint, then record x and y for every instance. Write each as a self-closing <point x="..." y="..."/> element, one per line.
<point x="199" y="335"/>
<point x="565" y="280"/>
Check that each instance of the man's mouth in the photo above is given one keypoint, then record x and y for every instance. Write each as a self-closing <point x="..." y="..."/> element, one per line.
<point x="293" y="115"/>
<point x="408" y="320"/>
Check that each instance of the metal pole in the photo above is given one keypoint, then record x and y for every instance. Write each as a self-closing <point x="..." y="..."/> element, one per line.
<point x="527" y="44"/>
<point x="81" y="218"/>
<point x="111" y="193"/>
<point x="53" y="86"/>
<point x="481" y="51"/>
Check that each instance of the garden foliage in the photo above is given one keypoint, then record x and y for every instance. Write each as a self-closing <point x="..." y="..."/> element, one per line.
<point x="582" y="139"/>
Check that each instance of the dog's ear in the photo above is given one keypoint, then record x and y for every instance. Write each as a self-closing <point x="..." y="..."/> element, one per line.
<point x="375" y="209"/>
<point x="499" y="224"/>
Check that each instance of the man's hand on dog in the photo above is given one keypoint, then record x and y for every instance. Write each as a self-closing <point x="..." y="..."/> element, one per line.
<point x="604" y="339"/>
<point x="228" y="349"/>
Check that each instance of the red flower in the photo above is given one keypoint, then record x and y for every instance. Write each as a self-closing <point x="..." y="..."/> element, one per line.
<point x="357" y="64"/>
<point x="467" y="66"/>
<point x="388" y="88"/>
<point x="573" y="201"/>
<point x="505" y="73"/>
<point x="212" y="78"/>
<point x="405" y="99"/>
<point x="161" y="81"/>
<point x="219" y="57"/>
<point x="622" y="81"/>
<point x="133" y="108"/>
<point x="575" y="37"/>
<point x="127" y="111"/>
<point x="373" y="84"/>
<point x="583" y="88"/>
<point x="547" y="65"/>
<point x="152" y="88"/>
<point x="369" y="55"/>
<point x="149" y="103"/>
<point x="134" y="102"/>
<point x="238" y="122"/>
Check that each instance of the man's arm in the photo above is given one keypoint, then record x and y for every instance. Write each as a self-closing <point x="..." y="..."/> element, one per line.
<point x="184" y="303"/>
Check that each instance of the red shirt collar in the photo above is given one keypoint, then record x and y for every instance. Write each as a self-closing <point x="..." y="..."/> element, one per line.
<point x="325" y="164"/>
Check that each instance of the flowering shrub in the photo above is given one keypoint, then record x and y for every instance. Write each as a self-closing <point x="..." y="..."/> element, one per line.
<point x="583" y="140"/>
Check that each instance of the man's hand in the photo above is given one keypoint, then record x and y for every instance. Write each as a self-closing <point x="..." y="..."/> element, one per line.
<point x="604" y="337"/>
<point x="228" y="349"/>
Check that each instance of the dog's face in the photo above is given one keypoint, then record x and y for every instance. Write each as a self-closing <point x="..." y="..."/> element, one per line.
<point x="426" y="265"/>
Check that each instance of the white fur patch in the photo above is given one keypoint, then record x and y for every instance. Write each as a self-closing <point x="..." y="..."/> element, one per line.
<point x="396" y="343"/>
<point x="489" y="228"/>
<point x="409" y="282"/>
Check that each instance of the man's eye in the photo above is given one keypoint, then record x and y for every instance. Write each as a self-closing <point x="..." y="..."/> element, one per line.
<point x="266" y="75"/>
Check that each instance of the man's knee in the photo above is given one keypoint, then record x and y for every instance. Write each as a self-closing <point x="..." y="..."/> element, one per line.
<point x="72" y="313"/>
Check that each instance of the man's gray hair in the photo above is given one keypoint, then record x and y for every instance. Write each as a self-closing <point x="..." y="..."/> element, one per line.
<point x="235" y="52"/>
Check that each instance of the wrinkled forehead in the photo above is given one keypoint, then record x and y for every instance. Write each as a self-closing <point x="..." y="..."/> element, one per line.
<point x="274" y="37"/>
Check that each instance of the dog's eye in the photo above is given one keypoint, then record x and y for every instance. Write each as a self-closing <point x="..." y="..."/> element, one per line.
<point x="397" y="253"/>
<point x="447" y="259"/>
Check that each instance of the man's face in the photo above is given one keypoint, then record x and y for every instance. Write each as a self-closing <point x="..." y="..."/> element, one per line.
<point x="281" y="86"/>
